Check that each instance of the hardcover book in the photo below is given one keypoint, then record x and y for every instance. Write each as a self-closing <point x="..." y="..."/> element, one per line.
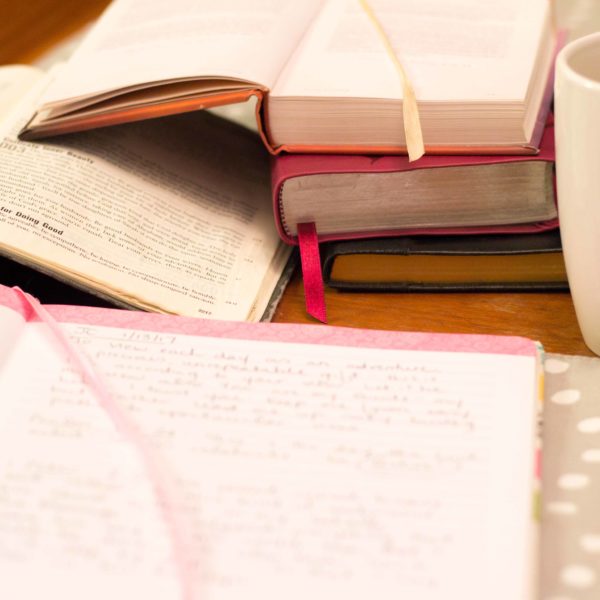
<point x="349" y="196"/>
<point x="319" y="71"/>
<point x="510" y="262"/>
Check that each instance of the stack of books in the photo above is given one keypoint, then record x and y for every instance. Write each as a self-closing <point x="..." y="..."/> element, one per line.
<point x="443" y="222"/>
<point x="329" y="107"/>
<point x="478" y="211"/>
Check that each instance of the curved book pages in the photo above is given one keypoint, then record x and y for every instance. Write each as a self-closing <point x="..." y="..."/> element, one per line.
<point x="322" y="76"/>
<point x="168" y="216"/>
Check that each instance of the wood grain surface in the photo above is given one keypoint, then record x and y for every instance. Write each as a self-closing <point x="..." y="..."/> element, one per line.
<point x="548" y="318"/>
<point x="28" y="28"/>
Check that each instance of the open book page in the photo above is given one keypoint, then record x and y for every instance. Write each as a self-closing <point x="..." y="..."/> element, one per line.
<point x="144" y="41"/>
<point x="15" y="82"/>
<point x="304" y="470"/>
<point x="167" y="215"/>
<point x="11" y="326"/>
<point x="465" y="50"/>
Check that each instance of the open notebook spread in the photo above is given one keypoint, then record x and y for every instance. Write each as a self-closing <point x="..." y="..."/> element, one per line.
<point x="480" y="70"/>
<point x="298" y="461"/>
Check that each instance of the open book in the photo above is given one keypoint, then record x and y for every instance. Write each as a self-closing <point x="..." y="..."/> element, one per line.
<point x="235" y="460"/>
<point x="170" y="217"/>
<point x="319" y="69"/>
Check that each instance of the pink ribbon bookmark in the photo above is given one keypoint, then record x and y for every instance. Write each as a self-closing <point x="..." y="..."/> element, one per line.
<point x="314" y="290"/>
<point x="156" y="471"/>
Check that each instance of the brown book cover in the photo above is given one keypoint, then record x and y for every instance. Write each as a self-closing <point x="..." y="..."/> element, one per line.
<point x="447" y="263"/>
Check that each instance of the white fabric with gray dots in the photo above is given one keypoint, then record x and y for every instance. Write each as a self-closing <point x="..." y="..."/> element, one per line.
<point x="571" y="479"/>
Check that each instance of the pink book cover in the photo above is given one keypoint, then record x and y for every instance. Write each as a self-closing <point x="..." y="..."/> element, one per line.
<point x="273" y="332"/>
<point x="287" y="166"/>
<point x="145" y="329"/>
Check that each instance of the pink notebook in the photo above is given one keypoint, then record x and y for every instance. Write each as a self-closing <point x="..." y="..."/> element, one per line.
<point x="159" y="456"/>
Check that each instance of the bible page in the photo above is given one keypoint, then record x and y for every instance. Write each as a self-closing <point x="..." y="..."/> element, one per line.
<point x="464" y="50"/>
<point x="138" y="42"/>
<point x="15" y="83"/>
<point x="299" y="471"/>
<point x="172" y="215"/>
<point x="11" y="326"/>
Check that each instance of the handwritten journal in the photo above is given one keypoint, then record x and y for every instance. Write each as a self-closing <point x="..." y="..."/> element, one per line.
<point x="299" y="461"/>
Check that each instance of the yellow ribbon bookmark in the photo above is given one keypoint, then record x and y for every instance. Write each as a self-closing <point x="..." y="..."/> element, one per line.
<point x="410" y="110"/>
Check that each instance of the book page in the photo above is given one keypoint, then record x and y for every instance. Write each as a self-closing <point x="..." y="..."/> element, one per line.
<point x="15" y="82"/>
<point x="11" y="326"/>
<point x="144" y="41"/>
<point x="465" y="50"/>
<point x="303" y="470"/>
<point x="172" y="215"/>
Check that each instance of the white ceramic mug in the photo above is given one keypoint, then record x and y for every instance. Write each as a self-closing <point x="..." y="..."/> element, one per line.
<point x="577" y="130"/>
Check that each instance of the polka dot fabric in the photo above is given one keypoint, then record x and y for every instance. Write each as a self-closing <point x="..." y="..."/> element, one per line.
<point x="571" y="479"/>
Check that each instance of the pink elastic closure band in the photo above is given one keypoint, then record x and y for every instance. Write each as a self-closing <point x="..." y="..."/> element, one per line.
<point x="156" y="471"/>
<point x="314" y="290"/>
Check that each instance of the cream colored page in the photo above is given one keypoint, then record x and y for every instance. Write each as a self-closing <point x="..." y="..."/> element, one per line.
<point x="305" y="471"/>
<point x="15" y="82"/>
<point x="176" y="213"/>
<point x="11" y="327"/>
<point x="141" y="41"/>
<point x="478" y="50"/>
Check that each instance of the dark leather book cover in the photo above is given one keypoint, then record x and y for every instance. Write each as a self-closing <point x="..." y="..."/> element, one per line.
<point x="516" y="262"/>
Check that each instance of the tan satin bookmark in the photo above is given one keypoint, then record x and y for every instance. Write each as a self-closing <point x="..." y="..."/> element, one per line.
<point x="410" y="110"/>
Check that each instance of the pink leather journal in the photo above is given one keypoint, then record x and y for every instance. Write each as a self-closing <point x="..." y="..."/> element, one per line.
<point x="288" y="166"/>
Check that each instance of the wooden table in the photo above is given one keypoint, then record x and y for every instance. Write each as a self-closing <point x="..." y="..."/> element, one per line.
<point x="549" y="318"/>
<point x="28" y="29"/>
